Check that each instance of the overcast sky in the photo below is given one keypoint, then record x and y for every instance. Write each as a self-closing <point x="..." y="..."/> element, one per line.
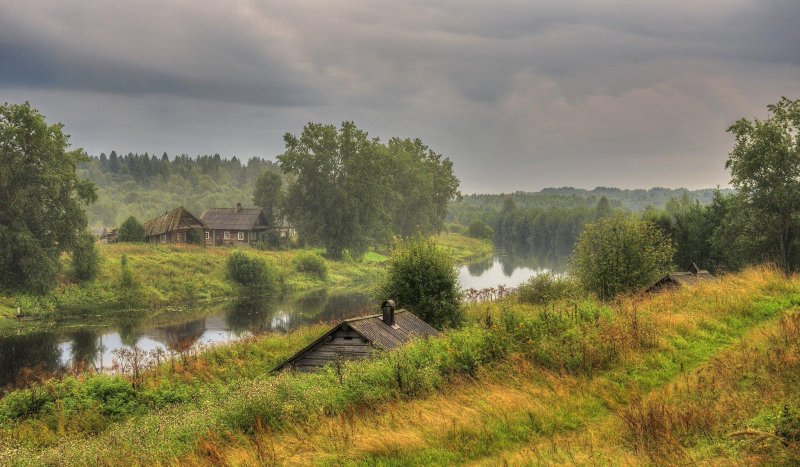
<point x="521" y="96"/>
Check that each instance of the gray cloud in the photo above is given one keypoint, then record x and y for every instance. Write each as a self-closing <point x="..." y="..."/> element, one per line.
<point x="521" y="95"/>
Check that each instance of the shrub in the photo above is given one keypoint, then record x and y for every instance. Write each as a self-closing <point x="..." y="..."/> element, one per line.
<point x="131" y="231"/>
<point x="421" y="277"/>
<point x="480" y="230"/>
<point x="194" y="237"/>
<point x="620" y="254"/>
<point x="129" y="291"/>
<point x="85" y="258"/>
<point x="252" y="272"/>
<point x="542" y="289"/>
<point x="311" y="263"/>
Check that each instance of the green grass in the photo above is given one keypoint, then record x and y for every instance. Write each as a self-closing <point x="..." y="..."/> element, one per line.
<point x="181" y="275"/>
<point x="534" y="383"/>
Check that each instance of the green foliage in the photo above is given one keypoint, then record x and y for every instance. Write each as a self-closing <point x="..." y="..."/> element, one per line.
<point x="252" y="272"/>
<point x="194" y="237"/>
<point x="144" y="186"/>
<point x="423" y="183"/>
<point x="545" y="288"/>
<point x="41" y="199"/>
<point x="480" y="230"/>
<point x="311" y="263"/>
<point x="620" y="254"/>
<point x="129" y="290"/>
<point x="131" y="231"/>
<point x="422" y="278"/>
<point x="349" y="191"/>
<point x="338" y="198"/>
<point x="765" y="169"/>
<point x="268" y="195"/>
<point x="85" y="258"/>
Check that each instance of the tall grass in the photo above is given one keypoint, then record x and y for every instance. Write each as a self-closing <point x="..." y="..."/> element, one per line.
<point x="495" y="372"/>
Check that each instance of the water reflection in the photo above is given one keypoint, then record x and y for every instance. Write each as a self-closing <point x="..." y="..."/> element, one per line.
<point x="79" y="346"/>
<point x="38" y="353"/>
<point x="510" y="266"/>
<point x="85" y="347"/>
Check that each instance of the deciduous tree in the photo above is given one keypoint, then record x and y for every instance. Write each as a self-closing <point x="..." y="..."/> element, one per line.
<point x="620" y="254"/>
<point x="41" y="199"/>
<point x="765" y="169"/>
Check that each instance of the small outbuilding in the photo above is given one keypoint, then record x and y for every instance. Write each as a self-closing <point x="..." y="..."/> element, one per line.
<point x="359" y="338"/>
<point x="173" y="227"/>
<point x="675" y="280"/>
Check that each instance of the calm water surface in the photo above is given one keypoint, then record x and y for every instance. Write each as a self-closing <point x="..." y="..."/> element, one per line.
<point x="88" y="342"/>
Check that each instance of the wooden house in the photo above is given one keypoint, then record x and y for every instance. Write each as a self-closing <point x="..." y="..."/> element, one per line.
<point x="173" y="227"/>
<point x="675" y="280"/>
<point x="234" y="226"/>
<point x="359" y="338"/>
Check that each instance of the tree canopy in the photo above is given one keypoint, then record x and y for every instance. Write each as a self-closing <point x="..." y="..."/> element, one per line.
<point x="349" y="191"/>
<point x="765" y="169"/>
<point x="421" y="277"/>
<point x="620" y="254"/>
<point x="41" y="199"/>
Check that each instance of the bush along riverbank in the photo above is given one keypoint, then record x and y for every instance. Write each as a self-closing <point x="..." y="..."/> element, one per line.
<point x="518" y="382"/>
<point x="152" y="276"/>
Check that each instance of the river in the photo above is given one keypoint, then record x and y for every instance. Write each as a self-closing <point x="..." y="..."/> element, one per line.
<point x="87" y="342"/>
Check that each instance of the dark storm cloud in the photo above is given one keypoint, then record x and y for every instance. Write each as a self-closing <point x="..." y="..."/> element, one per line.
<point x="521" y="95"/>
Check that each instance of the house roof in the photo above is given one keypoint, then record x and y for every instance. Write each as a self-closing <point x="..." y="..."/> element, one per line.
<point x="177" y="219"/>
<point x="406" y="327"/>
<point x="681" y="278"/>
<point x="233" y="219"/>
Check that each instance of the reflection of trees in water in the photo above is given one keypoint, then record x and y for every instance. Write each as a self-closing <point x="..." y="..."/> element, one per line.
<point x="477" y="268"/>
<point x="514" y="256"/>
<point x="180" y="337"/>
<point x="129" y="326"/>
<point x="37" y="351"/>
<point x="85" y="348"/>
<point x="262" y="315"/>
<point x="250" y="315"/>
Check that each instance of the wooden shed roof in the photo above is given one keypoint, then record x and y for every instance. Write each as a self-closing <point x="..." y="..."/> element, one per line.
<point x="380" y="335"/>
<point x="681" y="278"/>
<point x="234" y="218"/>
<point x="177" y="219"/>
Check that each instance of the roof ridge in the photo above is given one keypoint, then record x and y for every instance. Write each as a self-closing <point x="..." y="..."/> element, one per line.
<point x="377" y="315"/>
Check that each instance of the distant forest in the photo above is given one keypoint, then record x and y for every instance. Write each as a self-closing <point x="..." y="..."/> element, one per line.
<point x="145" y="186"/>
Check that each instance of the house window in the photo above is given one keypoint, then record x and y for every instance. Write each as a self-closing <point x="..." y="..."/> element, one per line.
<point x="292" y="232"/>
<point x="208" y="235"/>
<point x="226" y="235"/>
<point x="241" y="236"/>
<point x="178" y="237"/>
<point x="164" y="238"/>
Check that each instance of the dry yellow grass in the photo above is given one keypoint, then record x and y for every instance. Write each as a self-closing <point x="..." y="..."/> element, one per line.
<point x="577" y="418"/>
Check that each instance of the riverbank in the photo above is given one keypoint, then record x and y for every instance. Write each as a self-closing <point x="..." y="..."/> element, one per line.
<point x="518" y="383"/>
<point x="184" y="275"/>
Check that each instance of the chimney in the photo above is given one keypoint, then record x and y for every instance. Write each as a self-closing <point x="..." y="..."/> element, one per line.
<point x="238" y="207"/>
<point x="388" y="312"/>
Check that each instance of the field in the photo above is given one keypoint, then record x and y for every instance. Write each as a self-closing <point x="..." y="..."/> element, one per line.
<point x="703" y="375"/>
<point x="170" y="275"/>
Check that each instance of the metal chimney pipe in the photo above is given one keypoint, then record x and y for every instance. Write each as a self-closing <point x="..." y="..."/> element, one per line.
<point x="388" y="312"/>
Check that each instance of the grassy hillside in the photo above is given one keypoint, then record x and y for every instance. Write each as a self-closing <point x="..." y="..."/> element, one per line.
<point x="181" y="274"/>
<point x="696" y="375"/>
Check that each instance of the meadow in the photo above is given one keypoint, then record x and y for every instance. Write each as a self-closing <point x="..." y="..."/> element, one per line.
<point x="701" y="375"/>
<point x="179" y="274"/>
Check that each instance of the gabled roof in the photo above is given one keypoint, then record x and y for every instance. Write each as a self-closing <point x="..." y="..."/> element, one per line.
<point x="379" y="334"/>
<point x="680" y="278"/>
<point x="687" y="278"/>
<point x="177" y="219"/>
<point x="233" y="219"/>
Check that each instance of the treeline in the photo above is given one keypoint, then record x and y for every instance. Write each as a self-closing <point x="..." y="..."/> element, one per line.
<point x="144" y="185"/>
